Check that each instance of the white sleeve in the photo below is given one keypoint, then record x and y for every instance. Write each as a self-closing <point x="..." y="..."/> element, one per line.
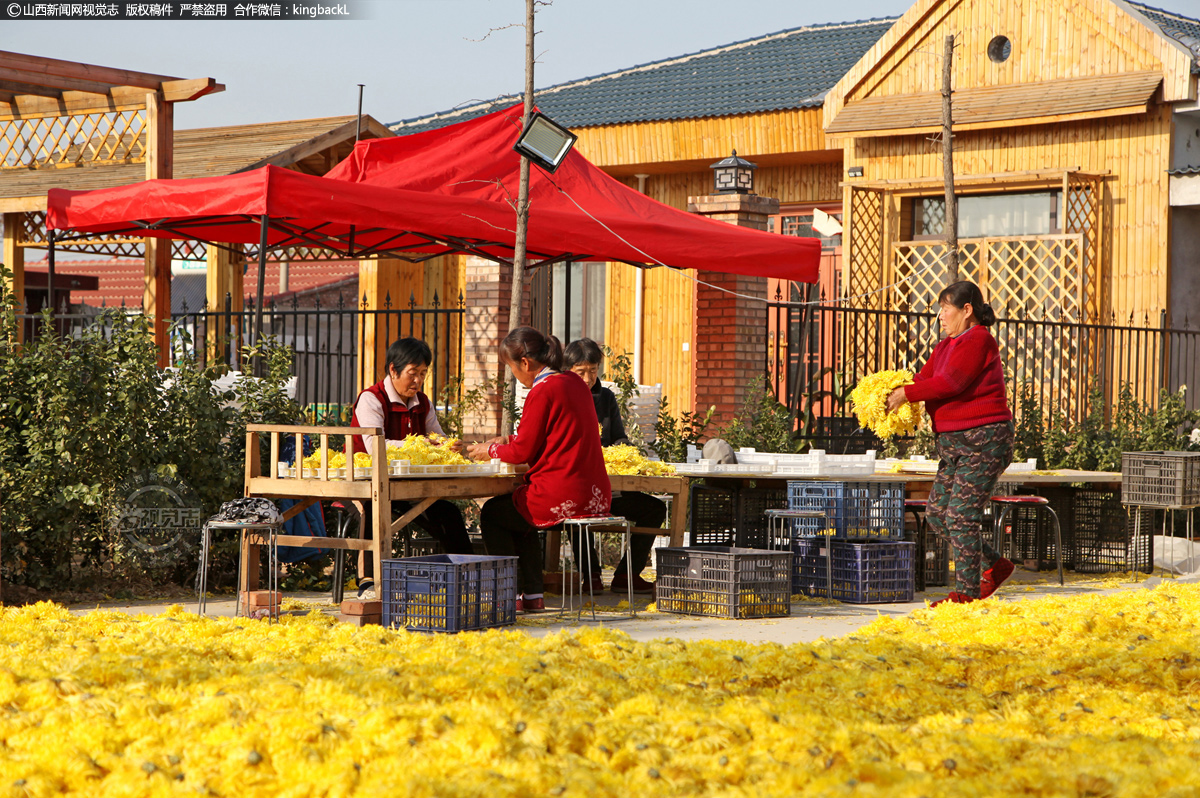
<point x="369" y="413"/>
<point x="431" y="421"/>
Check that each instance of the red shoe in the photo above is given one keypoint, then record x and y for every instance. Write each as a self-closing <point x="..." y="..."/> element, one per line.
<point x="995" y="576"/>
<point x="530" y="605"/>
<point x="620" y="584"/>
<point x="954" y="598"/>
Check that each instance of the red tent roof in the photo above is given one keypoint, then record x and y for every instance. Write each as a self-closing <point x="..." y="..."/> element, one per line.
<point x="458" y="203"/>
<point x="475" y="159"/>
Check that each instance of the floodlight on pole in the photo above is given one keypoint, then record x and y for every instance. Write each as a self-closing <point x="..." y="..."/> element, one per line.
<point x="545" y="142"/>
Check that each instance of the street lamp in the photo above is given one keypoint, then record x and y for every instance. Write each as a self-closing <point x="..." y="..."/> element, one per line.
<point x="545" y="142"/>
<point x="733" y="175"/>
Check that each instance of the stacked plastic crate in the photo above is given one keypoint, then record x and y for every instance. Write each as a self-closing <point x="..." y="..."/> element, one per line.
<point x="856" y="554"/>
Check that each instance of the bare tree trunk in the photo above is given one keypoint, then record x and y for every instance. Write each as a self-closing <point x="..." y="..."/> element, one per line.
<point x="951" y="228"/>
<point x="518" y="275"/>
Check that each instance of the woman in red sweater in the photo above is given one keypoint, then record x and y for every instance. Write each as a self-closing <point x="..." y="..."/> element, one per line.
<point x="962" y="386"/>
<point x="558" y="438"/>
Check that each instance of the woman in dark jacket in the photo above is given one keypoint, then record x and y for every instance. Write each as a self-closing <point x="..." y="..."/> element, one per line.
<point x="583" y="357"/>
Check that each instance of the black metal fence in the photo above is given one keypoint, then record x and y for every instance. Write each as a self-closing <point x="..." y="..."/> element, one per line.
<point x="325" y="341"/>
<point x="828" y="347"/>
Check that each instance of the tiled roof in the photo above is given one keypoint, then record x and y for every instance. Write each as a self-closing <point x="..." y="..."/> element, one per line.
<point x="1185" y="170"/>
<point x="789" y="69"/>
<point x="122" y="280"/>
<point x="1184" y="30"/>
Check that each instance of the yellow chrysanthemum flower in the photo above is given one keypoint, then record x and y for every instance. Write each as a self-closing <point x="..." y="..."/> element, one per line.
<point x="869" y="400"/>
<point x="626" y="460"/>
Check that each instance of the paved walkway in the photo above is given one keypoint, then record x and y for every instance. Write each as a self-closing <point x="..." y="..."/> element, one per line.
<point x="809" y="620"/>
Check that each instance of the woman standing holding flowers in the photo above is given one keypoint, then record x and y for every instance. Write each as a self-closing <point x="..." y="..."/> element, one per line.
<point x="557" y="438"/>
<point x="962" y="386"/>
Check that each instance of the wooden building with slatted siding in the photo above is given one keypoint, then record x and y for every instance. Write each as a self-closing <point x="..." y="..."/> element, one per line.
<point x="1064" y="116"/>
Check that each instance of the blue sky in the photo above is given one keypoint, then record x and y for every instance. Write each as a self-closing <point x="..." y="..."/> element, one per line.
<point x="420" y="56"/>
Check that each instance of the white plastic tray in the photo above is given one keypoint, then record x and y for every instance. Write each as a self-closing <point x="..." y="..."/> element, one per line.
<point x="289" y="472"/>
<point x="404" y="468"/>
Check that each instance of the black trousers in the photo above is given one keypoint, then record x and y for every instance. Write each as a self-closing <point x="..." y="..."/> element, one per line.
<point x="441" y="520"/>
<point x="506" y="533"/>
<point x="643" y="510"/>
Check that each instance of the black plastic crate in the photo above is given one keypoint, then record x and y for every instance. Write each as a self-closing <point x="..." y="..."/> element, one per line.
<point x="713" y="516"/>
<point x="724" y="582"/>
<point x="864" y="572"/>
<point x="1029" y="529"/>
<point x="1102" y="534"/>
<point x="934" y="552"/>
<point x="449" y="592"/>
<point x="852" y="509"/>
<point x="1160" y="479"/>
<point x="753" y="503"/>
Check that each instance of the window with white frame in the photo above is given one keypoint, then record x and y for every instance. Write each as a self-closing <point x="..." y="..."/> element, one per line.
<point x="578" y="295"/>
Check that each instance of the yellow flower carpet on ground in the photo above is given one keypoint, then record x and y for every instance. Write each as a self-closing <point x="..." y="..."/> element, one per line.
<point x="1079" y="696"/>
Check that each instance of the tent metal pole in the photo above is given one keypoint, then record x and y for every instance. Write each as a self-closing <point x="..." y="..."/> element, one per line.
<point x="256" y="334"/>
<point x="358" y="123"/>
<point x="50" y="271"/>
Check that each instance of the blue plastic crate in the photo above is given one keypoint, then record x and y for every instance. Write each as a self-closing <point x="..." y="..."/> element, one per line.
<point x="449" y="592"/>
<point x="864" y="572"/>
<point x="852" y="509"/>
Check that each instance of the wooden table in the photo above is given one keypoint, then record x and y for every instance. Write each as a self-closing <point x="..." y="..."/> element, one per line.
<point x="381" y="489"/>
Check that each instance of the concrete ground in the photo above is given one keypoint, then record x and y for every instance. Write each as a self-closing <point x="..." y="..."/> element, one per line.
<point x="809" y="619"/>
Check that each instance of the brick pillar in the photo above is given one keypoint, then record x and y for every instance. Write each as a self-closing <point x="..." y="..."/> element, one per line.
<point x="731" y="331"/>
<point x="487" y="297"/>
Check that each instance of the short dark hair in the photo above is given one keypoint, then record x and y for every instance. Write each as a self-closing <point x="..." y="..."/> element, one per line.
<point x="407" y="351"/>
<point x="528" y="342"/>
<point x="584" y="350"/>
<point x="965" y="292"/>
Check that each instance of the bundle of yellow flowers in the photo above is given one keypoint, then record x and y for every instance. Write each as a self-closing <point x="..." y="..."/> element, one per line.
<point x="337" y="459"/>
<point x="869" y="399"/>
<point x="1077" y="695"/>
<point x="628" y="461"/>
<point x="431" y="449"/>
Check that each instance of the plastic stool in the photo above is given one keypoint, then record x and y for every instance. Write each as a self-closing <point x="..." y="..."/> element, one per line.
<point x="272" y="532"/>
<point x="778" y="536"/>
<point x="582" y="527"/>
<point x="1039" y="502"/>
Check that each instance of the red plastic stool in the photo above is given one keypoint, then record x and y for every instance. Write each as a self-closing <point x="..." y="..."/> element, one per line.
<point x="1039" y="502"/>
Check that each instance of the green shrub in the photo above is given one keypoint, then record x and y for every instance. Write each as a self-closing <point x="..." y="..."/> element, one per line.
<point x="80" y="416"/>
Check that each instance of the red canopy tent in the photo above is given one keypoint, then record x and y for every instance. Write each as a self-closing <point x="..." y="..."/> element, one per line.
<point x="432" y="193"/>
<point x="435" y="193"/>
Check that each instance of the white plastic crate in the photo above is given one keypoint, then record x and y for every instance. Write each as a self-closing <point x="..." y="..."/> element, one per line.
<point x="815" y="463"/>
<point x="1022" y="468"/>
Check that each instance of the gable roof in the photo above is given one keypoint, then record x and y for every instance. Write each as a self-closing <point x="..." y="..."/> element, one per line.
<point x="1155" y="32"/>
<point x="789" y="69"/>
<point x="1184" y="30"/>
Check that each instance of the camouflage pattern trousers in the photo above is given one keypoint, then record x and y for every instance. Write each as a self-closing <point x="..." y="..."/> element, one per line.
<point x="972" y="461"/>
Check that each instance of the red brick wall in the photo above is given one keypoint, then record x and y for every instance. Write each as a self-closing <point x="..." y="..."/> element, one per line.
<point x="487" y="295"/>
<point x="731" y="331"/>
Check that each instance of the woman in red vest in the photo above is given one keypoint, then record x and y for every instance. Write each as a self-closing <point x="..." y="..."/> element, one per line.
<point x="558" y="438"/>
<point x="397" y="404"/>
